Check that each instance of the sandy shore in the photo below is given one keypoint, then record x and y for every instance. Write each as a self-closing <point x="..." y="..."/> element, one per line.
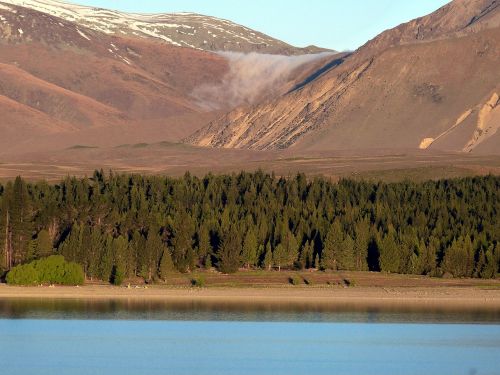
<point x="439" y="297"/>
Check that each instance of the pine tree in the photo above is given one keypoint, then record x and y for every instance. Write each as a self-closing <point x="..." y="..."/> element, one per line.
<point x="268" y="258"/>
<point x="459" y="258"/>
<point x="204" y="246"/>
<point x="153" y="249"/>
<point x="305" y="259"/>
<point x="94" y="249"/>
<point x="491" y="265"/>
<point x="166" y="264"/>
<point x="208" y="262"/>
<point x="106" y="263"/>
<point x="72" y="245"/>
<point x="332" y="247"/>
<point x="229" y="251"/>
<point x="120" y="251"/>
<point x="182" y="243"/>
<point x="249" y="255"/>
<point x="389" y="254"/>
<point x="279" y="256"/>
<point x="20" y="221"/>
<point x="44" y="247"/>
<point x="361" y="242"/>
<point x="346" y="257"/>
<point x="480" y="264"/>
<point x="427" y="257"/>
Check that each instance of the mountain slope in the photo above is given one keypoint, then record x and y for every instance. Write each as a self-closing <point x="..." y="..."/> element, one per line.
<point x="82" y="79"/>
<point x="181" y="29"/>
<point x="407" y="88"/>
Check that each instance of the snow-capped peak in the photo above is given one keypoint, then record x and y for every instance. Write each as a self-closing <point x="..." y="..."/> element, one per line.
<point x="180" y="29"/>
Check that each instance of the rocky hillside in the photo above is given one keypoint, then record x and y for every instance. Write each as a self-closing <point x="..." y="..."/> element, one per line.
<point x="431" y="83"/>
<point x="180" y="29"/>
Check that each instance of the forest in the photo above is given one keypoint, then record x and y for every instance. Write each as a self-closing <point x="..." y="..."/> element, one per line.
<point x="121" y="226"/>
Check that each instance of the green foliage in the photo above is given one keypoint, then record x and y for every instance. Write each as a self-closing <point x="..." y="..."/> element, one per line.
<point x="249" y="255"/>
<point x="119" y="226"/>
<point x="389" y="252"/>
<point x="44" y="246"/>
<point x="332" y="247"/>
<point x="198" y="282"/>
<point x="182" y="241"/>
<point x="459" y="259"/>
<point x="295" y="280"/>
<point x="229" y="252"/>
<point x="51" y="270"/>
<point x="268" y="258"/>
<point x="166" y="264"/>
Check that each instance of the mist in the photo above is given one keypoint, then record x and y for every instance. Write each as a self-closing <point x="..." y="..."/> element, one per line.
<point x="250" y="75"/>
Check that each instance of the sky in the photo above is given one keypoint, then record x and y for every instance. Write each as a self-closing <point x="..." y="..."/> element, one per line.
<point x="335" y="24"/>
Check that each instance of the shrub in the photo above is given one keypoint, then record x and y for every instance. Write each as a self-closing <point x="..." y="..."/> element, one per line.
<point x="295" y="280"/>
<point x="51" y="270"/>
<point x="308" y="281"/>
<point x="350" y="282"/>
<point x="198" y="282"/>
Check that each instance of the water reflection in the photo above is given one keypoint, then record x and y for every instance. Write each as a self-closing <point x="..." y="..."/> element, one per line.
<point x="134" y="309"/>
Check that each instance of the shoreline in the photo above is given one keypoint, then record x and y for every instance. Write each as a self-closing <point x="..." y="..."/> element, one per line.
<point x="373" y="297"/>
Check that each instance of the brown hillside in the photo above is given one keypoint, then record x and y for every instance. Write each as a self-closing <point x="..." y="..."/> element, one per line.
<point x="404" y="89"/>
<point x="83" y="79"/>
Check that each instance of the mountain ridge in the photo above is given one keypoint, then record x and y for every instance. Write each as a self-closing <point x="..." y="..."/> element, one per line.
<point x="344" y="108"/>
<point x="186" y="29"/>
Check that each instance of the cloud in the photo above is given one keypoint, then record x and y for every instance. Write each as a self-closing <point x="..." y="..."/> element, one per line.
<point x="250" y="75"/>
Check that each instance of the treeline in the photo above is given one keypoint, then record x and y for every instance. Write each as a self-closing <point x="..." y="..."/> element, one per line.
<point x="123" y="226"/>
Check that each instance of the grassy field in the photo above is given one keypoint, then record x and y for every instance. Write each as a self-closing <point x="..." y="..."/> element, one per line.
<point x="315" y="279"/>
<point x="175" y="159"/>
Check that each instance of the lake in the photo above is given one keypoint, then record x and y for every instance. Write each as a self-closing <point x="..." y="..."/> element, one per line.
<point x="117" y="337"/>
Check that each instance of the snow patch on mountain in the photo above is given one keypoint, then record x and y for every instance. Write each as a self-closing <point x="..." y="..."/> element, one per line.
<point x="179" y="29"/>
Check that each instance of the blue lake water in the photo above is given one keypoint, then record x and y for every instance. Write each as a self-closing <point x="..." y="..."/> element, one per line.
<point x="68" y="339"/>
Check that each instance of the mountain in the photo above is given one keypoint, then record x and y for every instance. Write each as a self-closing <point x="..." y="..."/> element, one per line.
<point x="62" y="83"/>
<point x="432" y="83"/>
<point x="59" y="77"/>
<point x="180" y="29"/>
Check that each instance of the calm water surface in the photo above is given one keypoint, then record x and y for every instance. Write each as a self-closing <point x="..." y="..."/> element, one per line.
<point x="64" y="337"/>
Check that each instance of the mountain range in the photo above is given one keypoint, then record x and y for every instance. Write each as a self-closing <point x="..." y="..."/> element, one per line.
<point x="75" y="75"/>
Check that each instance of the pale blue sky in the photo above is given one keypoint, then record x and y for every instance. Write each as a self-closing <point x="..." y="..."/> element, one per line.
<point x="336" y="24"/>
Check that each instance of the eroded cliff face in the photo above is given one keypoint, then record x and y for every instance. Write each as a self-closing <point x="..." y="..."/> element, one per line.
<point x="488" y="123"/>
<point x="404" y="89"/>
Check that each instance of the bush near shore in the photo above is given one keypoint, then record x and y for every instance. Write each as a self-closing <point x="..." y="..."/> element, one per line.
<point x="51" y="270"/>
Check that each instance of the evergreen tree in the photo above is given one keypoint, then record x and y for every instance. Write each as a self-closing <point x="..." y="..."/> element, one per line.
<point x="19" y="222"/>
<point x="279" y="256"/>
<point x="361" y="241"/>
<point x="491" y="265"/>
<point x="120" y="252"/>
<point x="44" y="246"/>
<point x="153" y="249"/>
<point x="332" y="247"/>
<point x="346" y="257"/>
<point x="166" y="264"/>
<point x="427" y="257"/>
<point x="229" y="251"/>
<point x="268" y="258"/>
<point x="106" y="263"/>
<point x="249" y="255"/>
<point x="204" y="246"/>
<point x="459" y="258"/>
<point x="389" y="255"/>
<point x="182" y="243"/>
